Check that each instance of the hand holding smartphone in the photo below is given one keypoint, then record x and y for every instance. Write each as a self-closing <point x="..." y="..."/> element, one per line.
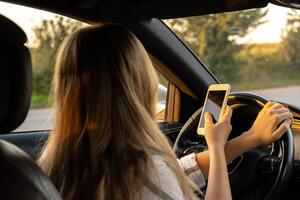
<point x="215" y="102"/>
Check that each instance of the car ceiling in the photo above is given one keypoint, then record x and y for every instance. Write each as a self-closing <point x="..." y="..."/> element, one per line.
<point x="105" y="10"/>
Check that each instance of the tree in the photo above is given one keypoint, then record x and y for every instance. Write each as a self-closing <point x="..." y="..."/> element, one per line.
<point x="48" y="36"/>
<point x="214" y="38"/>
<point x="291" y="41"/>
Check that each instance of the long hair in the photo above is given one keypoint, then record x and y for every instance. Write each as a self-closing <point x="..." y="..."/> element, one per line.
<point x="105" y="131"/>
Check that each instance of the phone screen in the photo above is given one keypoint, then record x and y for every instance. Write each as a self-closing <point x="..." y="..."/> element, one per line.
<point x="213" y="105"/>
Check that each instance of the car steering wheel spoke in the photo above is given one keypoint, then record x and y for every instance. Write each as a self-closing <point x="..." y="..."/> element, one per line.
<point x="269" y="165"/>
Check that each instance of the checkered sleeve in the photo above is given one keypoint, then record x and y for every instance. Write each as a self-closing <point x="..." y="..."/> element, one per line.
<point x="192" y="170"/>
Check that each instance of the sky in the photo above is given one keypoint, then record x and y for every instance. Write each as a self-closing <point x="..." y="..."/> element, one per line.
<point x="269" y="32"/>
<point x="25" y="17"/>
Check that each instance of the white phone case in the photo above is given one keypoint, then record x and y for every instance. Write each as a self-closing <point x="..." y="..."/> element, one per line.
<point x="214" y="87"/>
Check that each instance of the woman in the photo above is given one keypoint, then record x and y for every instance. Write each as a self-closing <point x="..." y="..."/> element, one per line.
<point x="106" y="143"/>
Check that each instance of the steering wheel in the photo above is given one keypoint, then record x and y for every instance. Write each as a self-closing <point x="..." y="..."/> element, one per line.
<point x="261" y="173"/>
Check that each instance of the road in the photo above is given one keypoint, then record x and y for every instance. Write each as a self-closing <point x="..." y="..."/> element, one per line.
<point x="42" y="119"/>
<point x="37" y="119"/>
<point x="290" y="95"/>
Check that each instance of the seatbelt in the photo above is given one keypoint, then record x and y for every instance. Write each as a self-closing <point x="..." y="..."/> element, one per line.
<point x="157" y="190"/>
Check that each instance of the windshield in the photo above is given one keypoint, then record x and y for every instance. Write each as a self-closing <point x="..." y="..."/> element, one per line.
<point x="254" y="50"/>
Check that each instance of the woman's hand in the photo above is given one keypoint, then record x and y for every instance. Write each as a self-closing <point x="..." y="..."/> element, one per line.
<point x="271" y="123"/>
<point x="216" y="135"/>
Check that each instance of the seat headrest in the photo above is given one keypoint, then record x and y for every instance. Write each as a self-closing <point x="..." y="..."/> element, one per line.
<point x="11" y="32"/>
<point x="21" y="178"/>
<point x="15" y="76"/>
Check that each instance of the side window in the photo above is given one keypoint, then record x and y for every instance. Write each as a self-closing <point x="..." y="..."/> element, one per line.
<point x="45" y="32"/>
<point x="161" y="104"/>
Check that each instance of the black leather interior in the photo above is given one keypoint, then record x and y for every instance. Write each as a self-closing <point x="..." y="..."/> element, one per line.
<point x="31" y="143"/>
<point x="20" y="177"/>
<point x="15" y="76"/>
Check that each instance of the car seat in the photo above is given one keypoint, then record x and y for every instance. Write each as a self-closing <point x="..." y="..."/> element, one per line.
<point x="20" y="177"/>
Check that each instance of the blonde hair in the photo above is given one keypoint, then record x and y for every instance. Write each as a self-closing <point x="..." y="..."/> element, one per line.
<point x="104" y="89"/>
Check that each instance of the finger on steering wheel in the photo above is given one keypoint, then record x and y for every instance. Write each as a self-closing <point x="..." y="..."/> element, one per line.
<point x="283" y="116"/>
<point x="280" y="110"/>
<point x="281" y="129"/>
<point x="269" y="104"/>
<point x="276" y="106"/>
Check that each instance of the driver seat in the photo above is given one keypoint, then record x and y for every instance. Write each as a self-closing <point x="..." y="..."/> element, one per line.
<point x="20" y="177"/>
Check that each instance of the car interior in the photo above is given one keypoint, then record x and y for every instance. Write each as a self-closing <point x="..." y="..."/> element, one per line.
<point x="267" y="172"/>
<point x="18" y="170"/>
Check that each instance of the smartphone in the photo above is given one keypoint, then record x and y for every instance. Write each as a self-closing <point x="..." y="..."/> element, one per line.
<point x="215" y="103"/>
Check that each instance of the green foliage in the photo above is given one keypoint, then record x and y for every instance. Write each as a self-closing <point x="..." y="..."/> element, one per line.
<point x="48" y="36"/>
<point x="214" y="38"/>
<point x="291" y="42"/>
<point x="261" y="66"/>
<point x="40" y="100"/>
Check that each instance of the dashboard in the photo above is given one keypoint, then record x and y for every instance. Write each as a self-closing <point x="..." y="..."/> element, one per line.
<point x="296" y="137"/>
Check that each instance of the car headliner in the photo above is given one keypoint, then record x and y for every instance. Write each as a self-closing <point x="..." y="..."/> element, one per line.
<point x="106" y="10"/>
